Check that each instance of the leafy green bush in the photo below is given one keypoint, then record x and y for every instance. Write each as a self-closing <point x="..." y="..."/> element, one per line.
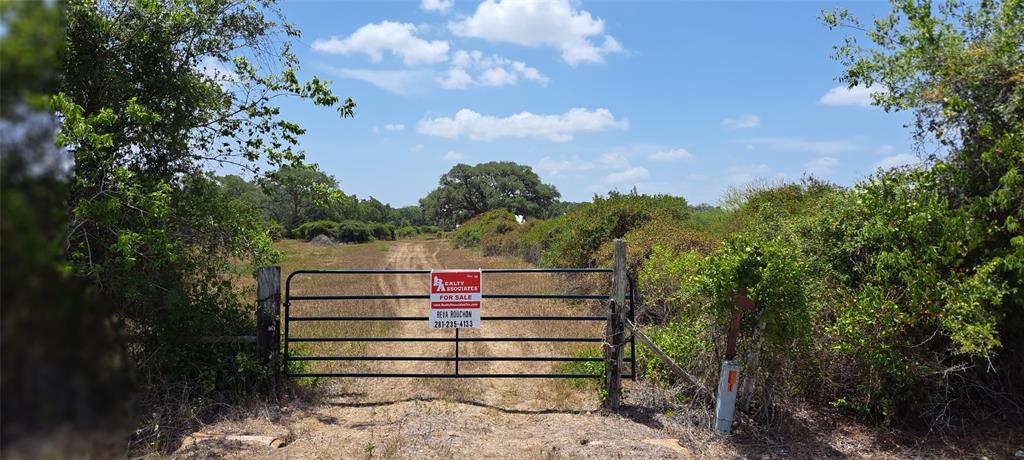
<point x="924" y="288"/>
<point x="310" y="230"/>
<point x="574" y="239"/>
<point x="407" y="231"/>
<point x="382" y="231"/>
<point x="771" y="274"/>
<point x="353" y="231"/>
<point x="471" y="232"/>
<point x="585" y="367"/>
<point x="276" y="231"/>
<point x="665" y="284"/>
<point x="686" y="340"/>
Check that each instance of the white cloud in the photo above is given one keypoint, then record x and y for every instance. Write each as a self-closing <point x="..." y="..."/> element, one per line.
<point x="742" y="122"/>
<point x="557" y="128"/>
<point x="882" y="150"/>
<point x="396" y="81"/>
<point x="394" y="127"/>
<point x="398" y="38"/>
<point x="804" y="145"/>
<point x="457" y="79"/>
<point x="554" y="23"/>
<point x="453" y="156"/>
<point x="630" y="175"/>
<point x="530" y="73"/>
<point x="842" y="95"/>
<point x="497" y="76"/>
<point x="822" y="166"/>
<point x="416" y="148"/>
<point x="492" y="70"/>
<point x="903" y="159"/>
<point x="436" y="5"/>
<point x="553" y="166"/>
<point x="670" y="155"/>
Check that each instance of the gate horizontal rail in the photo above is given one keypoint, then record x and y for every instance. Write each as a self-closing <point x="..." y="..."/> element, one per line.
<point x="425" y="318"/>
<point x="452" y="376"/>
<point x="456" y="339"/>
<point x="573" y="359"/>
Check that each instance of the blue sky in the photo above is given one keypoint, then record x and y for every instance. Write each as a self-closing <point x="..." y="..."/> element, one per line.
<point x="680" y="98"/>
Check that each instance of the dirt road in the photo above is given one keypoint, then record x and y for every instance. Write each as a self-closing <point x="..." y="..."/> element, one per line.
<point x="443" y="418"/>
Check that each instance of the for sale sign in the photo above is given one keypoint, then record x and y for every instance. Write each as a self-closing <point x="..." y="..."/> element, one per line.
<point x="455" y="297"/>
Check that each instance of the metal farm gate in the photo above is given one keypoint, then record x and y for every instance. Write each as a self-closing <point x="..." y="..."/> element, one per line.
<point x="455" y="340"/>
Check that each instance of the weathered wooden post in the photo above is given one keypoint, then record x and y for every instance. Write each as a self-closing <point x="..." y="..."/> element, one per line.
<point x="615" y="337"/>
<point x="268" y="337"/>
<point x="725" y="404"/>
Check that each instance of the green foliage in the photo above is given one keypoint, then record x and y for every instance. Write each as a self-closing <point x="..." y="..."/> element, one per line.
<point x="407" y="231"/>
<point x="310" y="230"/>
<point x="574" y="240"/>
<point x="771" y="274"/>
<point x="685" y="340"/>
<point x="430" y="230"/>
<point x="665" y="284"/>
<point x="931" y="261"/>
<point x="155" y="236"/>
<point x="586" y="367"/>
<point x="473" y="232"/>
<point x="31" y="53"/>
<point x="292" y="195"/>
<point x="917" y="298"/>
<point x="353" y="231"/>
<point x="276" y="231"/>
<point x="382" y="231"/>
<point x="467" y="191"/>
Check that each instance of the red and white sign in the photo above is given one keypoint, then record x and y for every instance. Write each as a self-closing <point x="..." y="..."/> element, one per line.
<point x="455" y="297"/>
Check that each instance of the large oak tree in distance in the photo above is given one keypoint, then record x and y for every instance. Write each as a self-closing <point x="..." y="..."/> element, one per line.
<point x="466" y="191"/>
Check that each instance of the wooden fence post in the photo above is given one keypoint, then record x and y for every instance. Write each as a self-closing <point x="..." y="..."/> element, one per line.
<point x="615" y="337"/>
<point x="268" y="337"/>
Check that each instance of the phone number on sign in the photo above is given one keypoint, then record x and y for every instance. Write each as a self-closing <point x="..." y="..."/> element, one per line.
<point x="451" y="324"/>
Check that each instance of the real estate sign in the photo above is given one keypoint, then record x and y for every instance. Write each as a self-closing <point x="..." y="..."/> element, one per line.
<point x="455" y="297"/>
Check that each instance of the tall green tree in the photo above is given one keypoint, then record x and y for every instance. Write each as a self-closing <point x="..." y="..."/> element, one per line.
<point x="373" y="210"/>
<point x="153" y="93"/>
<point x="933" y="257"/>
<point x="299" y="194"/>
<point x="466" y="191"/>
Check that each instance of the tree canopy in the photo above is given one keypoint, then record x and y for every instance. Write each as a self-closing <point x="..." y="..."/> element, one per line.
<point x="152" y="95"/>
<point x="466" y="191"/>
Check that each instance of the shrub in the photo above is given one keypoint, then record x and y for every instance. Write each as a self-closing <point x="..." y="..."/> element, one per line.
<point x="586" y="367"/>
<point x="310" y="230"/>
<point x="670" y="233"/>
<point x="382" y="231"/>
<point x="686" y="340"/>
<point x="470" y="233"/>
<point x="353" y="231"/>
<point x="275" y="230"/>
<point x="665" y="283"/>
<point x="925" y="293"/>
<point x="574" y="239"/>
<point x="430" y="230"/>
<point x="406" y="231"/>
